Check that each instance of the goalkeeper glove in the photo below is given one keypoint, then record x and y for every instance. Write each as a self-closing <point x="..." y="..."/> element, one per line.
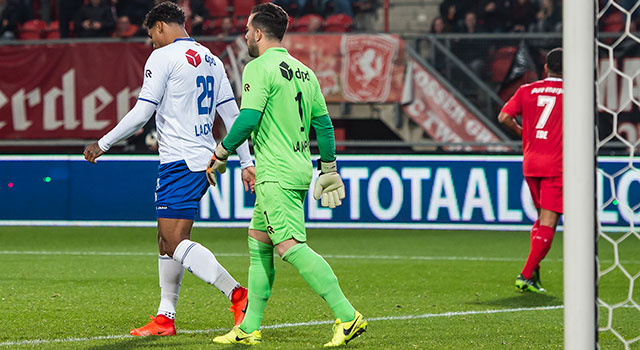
<point x="329" y="185"/>
<point x="217" y="163"/>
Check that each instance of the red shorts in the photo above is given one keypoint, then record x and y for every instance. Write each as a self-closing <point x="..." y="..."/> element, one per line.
<point x="546" y="192"/>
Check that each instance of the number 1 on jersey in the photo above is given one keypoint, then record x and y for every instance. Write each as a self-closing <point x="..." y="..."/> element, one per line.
<point x="299" y="99"/>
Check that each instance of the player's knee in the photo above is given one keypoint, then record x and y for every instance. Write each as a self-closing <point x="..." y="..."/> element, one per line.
<point x="287" y="247"/>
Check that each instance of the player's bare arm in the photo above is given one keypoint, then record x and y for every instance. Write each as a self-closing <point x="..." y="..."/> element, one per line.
<point x="510" y="123"/>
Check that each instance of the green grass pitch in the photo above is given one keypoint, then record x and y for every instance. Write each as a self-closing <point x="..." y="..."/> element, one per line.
<point x="86" y="287"/>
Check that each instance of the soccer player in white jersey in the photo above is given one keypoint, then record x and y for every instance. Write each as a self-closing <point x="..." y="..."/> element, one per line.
<point x="185" y="84"/>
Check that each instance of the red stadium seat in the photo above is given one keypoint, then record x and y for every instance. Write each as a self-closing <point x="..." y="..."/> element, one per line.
<point x="217" y="8"/>
<point x="241" y="24"/>
<point x="242" y="8"/>
<point x="214" y="27"/>
<point x="339" y="23"/>
<point x="501" y="63"/>
<point x="52" y="31"/>
<point x="302" y="24"/>
<point x="31" y="30"/>
<point x="613" y="23"/>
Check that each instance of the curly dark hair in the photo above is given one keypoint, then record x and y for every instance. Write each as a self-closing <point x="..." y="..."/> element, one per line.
<point x="271" y="19"/>
<point x="167" y="12"/>
<point x="554" y="61"/>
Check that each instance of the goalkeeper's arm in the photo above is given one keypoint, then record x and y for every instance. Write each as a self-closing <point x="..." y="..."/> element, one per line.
<point x="329" y="184"/>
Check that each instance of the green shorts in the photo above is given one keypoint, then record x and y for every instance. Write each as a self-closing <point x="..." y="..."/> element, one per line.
<point x="279" y="212"/>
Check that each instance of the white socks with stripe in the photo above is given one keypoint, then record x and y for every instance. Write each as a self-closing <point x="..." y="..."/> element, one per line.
<point x="201" y="262"/>
<point x="170" y="274"/>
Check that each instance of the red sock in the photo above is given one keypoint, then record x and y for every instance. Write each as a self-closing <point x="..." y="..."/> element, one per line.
<point x="540" y="246"/>
<point x="534" y="232"/>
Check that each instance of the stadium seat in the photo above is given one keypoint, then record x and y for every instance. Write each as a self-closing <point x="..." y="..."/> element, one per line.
<point x="214" y="27"/>
<point x="302" y="24"/>
<point x="52" y="31"/>
<point x="242" y="8"/>
<point x="339" y="23"/>
<point x="613" y="23"/>
<point x="241" y="24"/>
<point x="217" y="8"/>
<point x="501" y="63"/>
<point x="31" y="30"/>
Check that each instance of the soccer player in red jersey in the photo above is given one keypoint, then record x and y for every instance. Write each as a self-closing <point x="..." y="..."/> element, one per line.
<point x="540" y="104"/>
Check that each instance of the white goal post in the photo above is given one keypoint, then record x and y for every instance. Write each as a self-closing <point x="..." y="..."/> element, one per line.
<point x="579" y="55"/>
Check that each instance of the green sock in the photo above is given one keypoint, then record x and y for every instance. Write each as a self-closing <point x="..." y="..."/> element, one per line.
<point x="261" y="275"/>
<point x="318" y="274"/>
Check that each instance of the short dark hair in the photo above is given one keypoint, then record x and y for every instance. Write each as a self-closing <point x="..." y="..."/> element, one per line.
<point x="167" y="12"/>
<point x="554" y="60"/>
<point x="271" y="19"/>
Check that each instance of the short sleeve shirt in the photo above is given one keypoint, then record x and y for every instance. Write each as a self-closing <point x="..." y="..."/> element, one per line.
<point x="288" y="94"/>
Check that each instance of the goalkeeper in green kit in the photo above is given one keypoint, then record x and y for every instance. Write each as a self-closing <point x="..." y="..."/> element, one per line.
<point x="281" y="99"/>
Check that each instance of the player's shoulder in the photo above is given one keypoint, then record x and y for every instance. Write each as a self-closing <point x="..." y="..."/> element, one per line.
<point x="257" y="65"/>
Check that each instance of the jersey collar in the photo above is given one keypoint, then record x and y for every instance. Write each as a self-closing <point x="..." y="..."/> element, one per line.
<point x="183" y="39"/>
<point x="276" y="49"/>
<point x="553" y="79"/>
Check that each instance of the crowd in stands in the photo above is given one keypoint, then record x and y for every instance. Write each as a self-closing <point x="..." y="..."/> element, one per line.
<point x="498" y="16"/>
<point x="537" y="16"/>
<point x="52" y="19"/>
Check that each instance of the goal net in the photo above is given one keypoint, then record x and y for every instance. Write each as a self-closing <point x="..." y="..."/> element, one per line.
<point x="617" y="47"/>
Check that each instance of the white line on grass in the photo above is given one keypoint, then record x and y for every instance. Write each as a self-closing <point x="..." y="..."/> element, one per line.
<point x="288" y="325"/>
<point x="329" y="256"/>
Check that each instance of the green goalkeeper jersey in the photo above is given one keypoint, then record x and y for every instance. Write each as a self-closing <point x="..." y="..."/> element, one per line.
<point x="288" y="95"/>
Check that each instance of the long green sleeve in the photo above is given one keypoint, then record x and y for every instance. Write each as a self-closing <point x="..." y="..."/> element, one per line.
<point x="326" y="137"/>
<point x="242" y="127"/>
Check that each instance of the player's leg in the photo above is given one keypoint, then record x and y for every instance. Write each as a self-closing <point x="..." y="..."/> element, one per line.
<point x="548" y="198"/>
<point x="285" y="227"/>
<point x="262" y="270"/>
<point x="528" y="279"/>
<point x="550" y="212"/>
<point x="193" y="256"/>
<point x="534" y="189"/>
<point x="261" y="276"/>
<point x="170" y="273"/>
<point x="178" y="193"/>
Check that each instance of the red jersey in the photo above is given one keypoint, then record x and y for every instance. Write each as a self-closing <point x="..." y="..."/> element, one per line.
<point x="540" y="104"/>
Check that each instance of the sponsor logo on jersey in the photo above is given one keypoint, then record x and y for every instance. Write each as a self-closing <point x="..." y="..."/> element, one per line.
<point x="247" y="87"/>
<point x="286" y="72"/>
<point x="147" y="73"/>
<point x="210" y="60"/>
<point x="193" y="57"/>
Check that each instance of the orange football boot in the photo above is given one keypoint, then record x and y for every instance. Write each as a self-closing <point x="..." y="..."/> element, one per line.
<point x="159" y="325"/>
<point x="239" y="304"/>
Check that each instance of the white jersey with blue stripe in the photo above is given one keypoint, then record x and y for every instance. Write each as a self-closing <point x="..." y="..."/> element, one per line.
<point x="186" y="82"/>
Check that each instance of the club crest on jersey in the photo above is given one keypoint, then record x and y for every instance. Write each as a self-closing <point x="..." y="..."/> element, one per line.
<point x="193" y="57"/>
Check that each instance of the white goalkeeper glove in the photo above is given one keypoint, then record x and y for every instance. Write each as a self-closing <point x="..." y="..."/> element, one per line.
<point x="218" y="163"/>
<point x="329" y="185"/>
